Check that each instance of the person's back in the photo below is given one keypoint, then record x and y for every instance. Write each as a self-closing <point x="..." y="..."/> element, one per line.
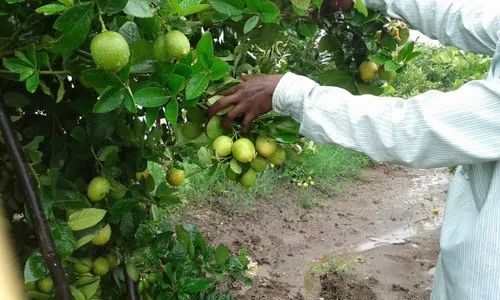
<point x="434" y="129"/>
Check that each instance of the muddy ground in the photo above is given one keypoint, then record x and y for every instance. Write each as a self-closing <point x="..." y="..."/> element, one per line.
<point x="383" y="229"/>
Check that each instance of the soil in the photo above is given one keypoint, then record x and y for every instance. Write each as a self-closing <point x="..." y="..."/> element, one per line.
<point x="375" y="238"/>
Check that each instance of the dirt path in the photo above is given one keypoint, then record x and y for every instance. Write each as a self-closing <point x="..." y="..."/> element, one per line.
<point x="385" y="226"/>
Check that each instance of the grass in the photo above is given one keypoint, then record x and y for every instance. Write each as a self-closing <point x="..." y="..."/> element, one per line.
<point x="330" y="166"/>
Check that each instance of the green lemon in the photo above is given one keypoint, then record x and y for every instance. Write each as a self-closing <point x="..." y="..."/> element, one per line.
<point x="196" y="115"/>
<point x="110" y="51"/>
<point x="248" y="179"/>
<point x="177" y="44"/>
<point x="265" y="146"/>
<point x="214" y="128"/>
<point x="45" y="285"/>
<point x="112" y="260"/>
<point x="259" y="164"/>
<point x="98" y="189"/>
<point x="243" y="150"/>
<point x="83" y="265"/>
<point x="103" y="236"/>
<point x="175" y="177"/>
<point x="222" y="146"/>
<point x="101" y="266"/>
<point x="231" y="175"/>
<point x="191" y="130"/>
<point x="368" y="71"/>
<point x="279" y="156"/>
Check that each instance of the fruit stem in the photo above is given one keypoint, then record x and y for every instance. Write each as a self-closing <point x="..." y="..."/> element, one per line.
<point x="102" y="23"/>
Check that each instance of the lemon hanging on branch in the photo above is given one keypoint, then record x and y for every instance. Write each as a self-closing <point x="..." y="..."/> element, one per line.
<point x="173" y="45"/>
<point x="98" y="189"/>
<point x="103" y="236"/>
<point x="243" y="150"/>
<point x="175" y="177"/>
<point x="368" y="71"/>
<point x="110" y="51"/>
<point x="222" y="146"/>
<point x="101" y="266"/>
<point x="265" y="146"/>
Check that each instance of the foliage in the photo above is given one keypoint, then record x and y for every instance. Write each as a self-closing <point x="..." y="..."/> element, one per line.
<point x="440" y="68"/>
<point x="77" y="121"/>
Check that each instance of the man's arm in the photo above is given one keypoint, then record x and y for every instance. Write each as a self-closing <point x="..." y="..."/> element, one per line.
<point x="433" y="129"/>
<point x="471" y="26"/>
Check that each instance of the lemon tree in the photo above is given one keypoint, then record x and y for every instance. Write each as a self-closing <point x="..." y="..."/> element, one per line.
<point x="100" y="90"/>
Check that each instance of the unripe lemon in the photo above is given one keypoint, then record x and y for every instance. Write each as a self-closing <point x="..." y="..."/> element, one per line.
<point x="265" y="146"/>
<point x="222" y="146"/>
<point x="191" y="130"/>
<point x="243" y="150"/>
<point x="278" y="157"/>
<point x="248" y="179"/>
<point x="83" y="265"/>
<point x="175" y="177"/>
<point x="112" y="260"/>
<point x="110" y="51"/>
<point x="98" y="189"/>
<point x="214" y="128"/>
<point x="368" y="71"/>
<point x="30" y="286"/>
<point x="45" y="285"/>
<point x="103" y="236"/>
<point x="258" y="164"/>
<point x="101" y="266"/>
<point x="173" y="45"/>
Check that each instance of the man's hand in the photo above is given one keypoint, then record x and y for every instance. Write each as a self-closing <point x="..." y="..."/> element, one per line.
<point x="251" y="99"/>
<point x="330" y="6"/>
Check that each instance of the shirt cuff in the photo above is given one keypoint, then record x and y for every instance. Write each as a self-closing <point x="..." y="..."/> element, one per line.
<point x="288" y="97"/>
<point x="378" y="4"/>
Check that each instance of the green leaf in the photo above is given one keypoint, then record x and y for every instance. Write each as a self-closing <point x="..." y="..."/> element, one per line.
<point x="111" y="6"/>
<point x="51" y="9"/>
<point x="197" y="85"/>
<point x="302" y="4"/>
<point x="267" y="10"/>
<point x="379" y="58"/>
<point x="184" y="238"/>
<point x="204" y="156"/>
<point x="110" y="99"/>
<point x="60" y="91"/>
<point x="235" y="166"/>
<point x="150" y="97"/>
<point x="18" y="66"/>
<point x="74" y="24"/>
<point x="171" y="111"/>
<point x="84" y="240"/>
<point x="63" y="238"/>
<point x="308" y="30"/>
<point x="198" y="285"/>
<point x="108" y="153"/>
<point x="250" y="24"/>
<point x="151" y="115"/>
<point x="85" y="218"/>
<point x="228" y="7"/>
<point x="89" y="290"/>
<point x="219" y="69"/>
<point x="193" y="9"/>
<point x="117" y="190"/>
<point x="119" y="208"/>
<point x="360" y="6"/>
<point x="32" y="82"/>
<point x="99" y="79"/>
<point x="141" y="51"/>
<point x="68" y="3"/>
<point x="391" y="65"/>
<point x="338" y="78"/>
<point x="76" y="293"/>
<point x="35" y="267"/>
<point x="138" y="8"/>
<point x="175" y="83"/>
<point x="130" y="32"/>
<point x="205" y="50"/>
<point x="129" y="103"/>
<point x="14" y="99"/>
<point x="221" y="254"/>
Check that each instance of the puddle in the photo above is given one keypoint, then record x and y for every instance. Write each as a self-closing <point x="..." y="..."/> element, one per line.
<point x="399" y="236"/>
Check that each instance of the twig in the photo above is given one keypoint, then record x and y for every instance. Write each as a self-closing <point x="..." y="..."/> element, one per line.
<point x="42" y="230"/>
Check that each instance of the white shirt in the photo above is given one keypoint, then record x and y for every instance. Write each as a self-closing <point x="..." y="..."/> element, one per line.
<point x="430" y="130"/>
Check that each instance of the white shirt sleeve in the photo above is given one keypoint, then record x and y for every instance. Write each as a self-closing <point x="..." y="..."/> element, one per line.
<point x="470" y="25"/>
<point x="433" y="129"/>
